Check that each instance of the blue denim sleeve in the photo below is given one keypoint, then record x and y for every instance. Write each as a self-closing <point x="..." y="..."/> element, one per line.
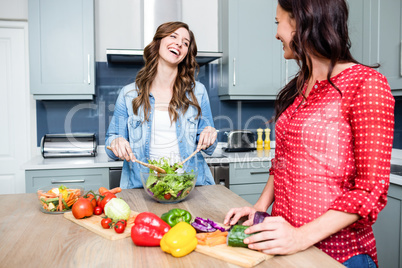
<point x="206" y="120"/>
<point x="118" y="125"/>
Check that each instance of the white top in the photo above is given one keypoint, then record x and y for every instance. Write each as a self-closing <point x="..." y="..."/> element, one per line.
<point x="164" y="141"/>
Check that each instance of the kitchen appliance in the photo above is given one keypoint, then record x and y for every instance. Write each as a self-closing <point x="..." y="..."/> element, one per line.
<point x="153" y="14"/>
<point x="240" y="141"/>
<point x="68" y="145"/>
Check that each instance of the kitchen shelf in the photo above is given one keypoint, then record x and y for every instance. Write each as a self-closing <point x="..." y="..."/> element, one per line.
<point x="135" y="56"/>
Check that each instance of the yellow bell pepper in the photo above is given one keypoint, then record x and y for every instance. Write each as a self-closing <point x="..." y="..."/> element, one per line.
<point x="180" y="240"/>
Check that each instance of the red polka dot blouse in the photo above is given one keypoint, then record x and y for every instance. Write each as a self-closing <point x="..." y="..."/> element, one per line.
<point x="333" y="151"/>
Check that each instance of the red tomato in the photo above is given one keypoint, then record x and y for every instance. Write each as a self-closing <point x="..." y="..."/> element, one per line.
<point x="91" y="198"/>
<point x="167" y="196"/>
<point x="82" y="208"/>
<point x="124" y="222"/>
<point x="98" y="210"/>
<point x="106" y="223"/>
<point x="119" y="227"/>
<point x="107" y="197"/>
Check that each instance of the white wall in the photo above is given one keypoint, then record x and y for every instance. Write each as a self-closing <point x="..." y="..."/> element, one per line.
<point x="14" y="9"/>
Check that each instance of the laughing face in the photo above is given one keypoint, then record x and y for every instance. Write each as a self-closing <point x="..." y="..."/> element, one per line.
<point x="285" y="31"/>
<point x="174" y="47"/>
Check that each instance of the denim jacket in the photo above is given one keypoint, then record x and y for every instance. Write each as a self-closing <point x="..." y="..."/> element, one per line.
<point x="137" y="132"/>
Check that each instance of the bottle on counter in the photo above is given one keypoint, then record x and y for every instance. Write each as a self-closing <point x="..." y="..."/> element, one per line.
<point x="267" y="142"/>
<point x="259" y="139"/>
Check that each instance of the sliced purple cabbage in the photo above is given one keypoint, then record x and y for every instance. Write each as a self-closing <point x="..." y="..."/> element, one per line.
<point x="259" y="217"/>
<point x="206" y="225"/>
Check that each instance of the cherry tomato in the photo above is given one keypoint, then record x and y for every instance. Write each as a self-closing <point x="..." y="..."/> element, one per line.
<point x="124" y="222"/>
<point x="82" y="208"/>
<point x="119" y="227"/>
<point x="167" y="196"/>
<point x="98" y="210"/>
<point x="107" y="197"/>
<point x="106" y="223"/>
<point x="91" y="198"/>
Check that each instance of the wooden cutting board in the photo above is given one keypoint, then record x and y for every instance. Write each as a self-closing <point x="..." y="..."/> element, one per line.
<point x="93" y="224"/>
<point x="236" y="255"/>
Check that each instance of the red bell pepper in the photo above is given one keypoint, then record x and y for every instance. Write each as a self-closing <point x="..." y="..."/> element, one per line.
<point x="148" y="230"/>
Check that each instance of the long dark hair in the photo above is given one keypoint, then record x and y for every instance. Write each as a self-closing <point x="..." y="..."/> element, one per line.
<point x="185" y="80"/>
<point x="321" y="31"/>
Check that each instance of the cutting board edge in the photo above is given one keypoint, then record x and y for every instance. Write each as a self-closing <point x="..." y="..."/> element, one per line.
<point x="98" y="231"/>
<point x="248" y="264"/>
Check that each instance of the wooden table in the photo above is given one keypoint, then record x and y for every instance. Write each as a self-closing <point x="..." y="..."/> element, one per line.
<point x="30" y="238"/>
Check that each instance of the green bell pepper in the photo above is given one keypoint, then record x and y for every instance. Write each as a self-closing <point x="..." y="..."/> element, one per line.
<point x="176" y="215"/>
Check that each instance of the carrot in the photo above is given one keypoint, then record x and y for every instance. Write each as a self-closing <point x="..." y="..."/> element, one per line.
<point x="212" y="239"/>
<point x="103" y="190"/>
<point x="200" y="242"/>
<point x="48" y="195"/>
<point x="115" y="190"/>
<point x="60" y="206"/>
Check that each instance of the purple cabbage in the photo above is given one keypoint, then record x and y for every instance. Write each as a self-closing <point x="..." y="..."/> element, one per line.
<point x="259" y="217"/>
<point x="206" y="225"/>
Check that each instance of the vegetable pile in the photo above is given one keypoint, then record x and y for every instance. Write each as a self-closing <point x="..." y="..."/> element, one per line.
<point x="58" y="199"/>
<point x="170" y="186"/>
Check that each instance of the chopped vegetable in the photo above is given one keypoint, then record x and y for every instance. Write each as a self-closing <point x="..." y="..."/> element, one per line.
<point x="58" y="199"/>
<point x="164" y="164"/>
<point x="212" y="239"/>
<point x="172" y="186"/>
<point x="206" y="225"/>
<point x="259" y="217"/>
<point x="176" y="215"/>
<point x="180" y="240"/>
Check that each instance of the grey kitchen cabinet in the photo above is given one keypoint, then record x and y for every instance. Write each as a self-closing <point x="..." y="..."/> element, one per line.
<point x="89" y="178"/>
<point x="252" y="66"/>
<point x="387" y="230"/>
<point x="248" y="179"/>
<point x="375" y="29"/>
<point x="61" y="49"/>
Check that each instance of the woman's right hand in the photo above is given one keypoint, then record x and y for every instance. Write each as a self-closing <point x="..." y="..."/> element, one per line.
<point x="234" y="215"/>
<point x="121" y="148"/>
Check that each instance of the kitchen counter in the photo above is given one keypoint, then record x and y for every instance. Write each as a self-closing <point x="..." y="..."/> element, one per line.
<point x="31" y="238"/>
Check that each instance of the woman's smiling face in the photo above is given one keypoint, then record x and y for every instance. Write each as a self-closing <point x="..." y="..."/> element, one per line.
<point x="174" y="47"/>
<point x="285" y="31"/>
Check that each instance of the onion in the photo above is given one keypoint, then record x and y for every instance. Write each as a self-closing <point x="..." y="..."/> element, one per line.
<point x="206" y="225"/>
<point x="259" y="217"/>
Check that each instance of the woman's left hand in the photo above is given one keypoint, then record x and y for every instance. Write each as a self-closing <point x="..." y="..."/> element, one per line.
<point x="207" y="138"/>
<point x="276" y="236"/>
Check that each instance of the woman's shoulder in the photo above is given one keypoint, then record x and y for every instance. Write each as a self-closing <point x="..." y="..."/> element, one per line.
<point x="129" y="91"/>
<point x="363" y="72"/>
<point x="199" y="88"/>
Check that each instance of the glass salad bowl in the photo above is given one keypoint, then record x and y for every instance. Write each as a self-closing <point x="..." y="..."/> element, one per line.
<point x="169" y="188"/>
<point x="56" y="199"/>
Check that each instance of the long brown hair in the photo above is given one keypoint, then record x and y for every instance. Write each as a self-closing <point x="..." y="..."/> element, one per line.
<point x="185" y="80"/>
<point x="321" y="30"/>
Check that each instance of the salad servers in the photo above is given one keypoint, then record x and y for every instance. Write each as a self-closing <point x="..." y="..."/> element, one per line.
<point x="153" y="167"/>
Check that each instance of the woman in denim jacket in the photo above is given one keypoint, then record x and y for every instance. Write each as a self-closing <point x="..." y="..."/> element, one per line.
<point x="165" y="113"/>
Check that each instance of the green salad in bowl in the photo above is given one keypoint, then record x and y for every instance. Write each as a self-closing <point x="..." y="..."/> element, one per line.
<point x="172" y="187"/>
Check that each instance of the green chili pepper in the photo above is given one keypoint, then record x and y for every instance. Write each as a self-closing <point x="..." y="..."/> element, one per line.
<point x="176" y="215"/>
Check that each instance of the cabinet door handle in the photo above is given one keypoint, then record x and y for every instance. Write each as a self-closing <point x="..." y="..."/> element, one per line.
<point x="234" y="71"/>
<point x="67" y="181"/>
<point x="89" y="69"/>
<point x="286" y="72"/>
<point x="259" y="172"/>
<point x="400" y="60"/>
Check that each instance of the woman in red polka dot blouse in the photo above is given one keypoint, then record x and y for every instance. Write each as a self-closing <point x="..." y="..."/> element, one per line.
<point x="334" y="131"/>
